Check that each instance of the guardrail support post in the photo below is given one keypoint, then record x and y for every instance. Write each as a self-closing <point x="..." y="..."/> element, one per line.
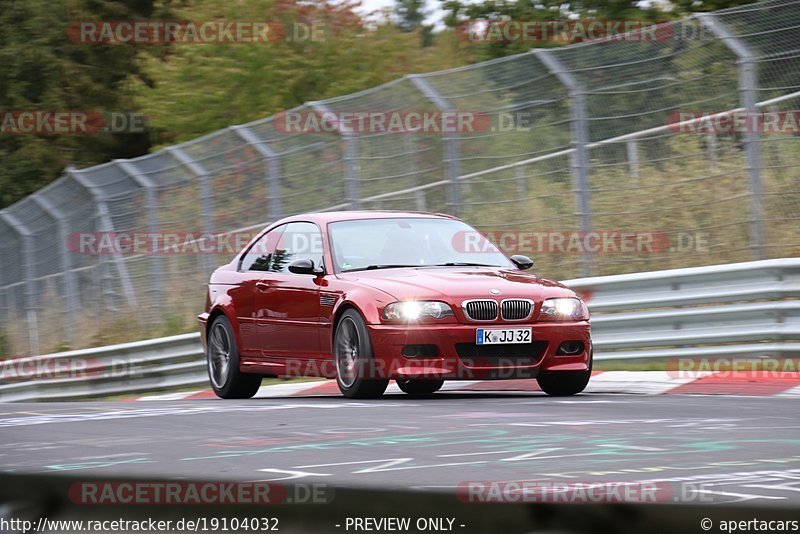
<point x="420" y="202"/>
<point x="522" y="182"/>
<point x="452" y="154"/>
<point x="206" y="200"/>
<point x="273" y="174"/>
<point x="26" y="236"/>
<point x="580" y="140"/>
<point x="70" y="286"/>
<point x="106" y="226"/>
<point x="748" y="87"/>
<point x="633" y="158"/>
<point x="4" y="307"/>
<point x="156" y="263"/>
<point x="350" y="157"/>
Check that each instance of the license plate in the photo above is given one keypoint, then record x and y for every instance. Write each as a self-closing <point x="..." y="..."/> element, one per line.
<point x="502" y="336"/>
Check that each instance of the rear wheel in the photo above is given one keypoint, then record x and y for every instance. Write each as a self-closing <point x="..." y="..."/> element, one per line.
<point x="227" y="381"/>
<point x="420" y="388"/>
<point x="565" y="383"/>
<point x="352" y="353"/>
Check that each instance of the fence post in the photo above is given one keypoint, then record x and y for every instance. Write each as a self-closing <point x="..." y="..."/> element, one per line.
<point x="420" y="203"/>
<point x="522" y="182"/>
<point x="106" y="225"/>
<point x="156" y="263"/>
<point x="711" y="139"/>
<point x="4" y="307"/>
<point x="451" y="145"/>
<point x="273" y="175"/>
<point x="26" y="236"/>
<point x="206" y="198"/>
<point x="748" y="87"/>
<point x="633" y="159"/>
<point x="580" y="156"/>
<point x="350" y="156"/>
<point x="70" y="287"/>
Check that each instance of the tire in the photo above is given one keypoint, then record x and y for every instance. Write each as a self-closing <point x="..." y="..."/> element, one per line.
<point x="420" y="388"/>
<point x="227" y="381"/>
<point x="353" y="356"/>
<point x="565" y="383"/>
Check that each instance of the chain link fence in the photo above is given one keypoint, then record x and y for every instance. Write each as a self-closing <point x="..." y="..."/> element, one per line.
<point x="619" y="135"/>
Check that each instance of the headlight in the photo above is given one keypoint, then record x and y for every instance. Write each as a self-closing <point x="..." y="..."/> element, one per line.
<point x="564" y="309"/>
<point x="413" y="310"/>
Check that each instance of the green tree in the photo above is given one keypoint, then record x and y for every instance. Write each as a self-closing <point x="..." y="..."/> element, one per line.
<point x="693" y="6"/>
<point x="411" y="16"/>
<point x="460" y="14"/>
<point x="410" y="13"/>
<point x="199" y="89"/>
<point x="44" y="70"/>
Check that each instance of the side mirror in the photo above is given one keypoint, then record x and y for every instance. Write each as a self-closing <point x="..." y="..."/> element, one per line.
<point x="522" y="262"/>
<point x="304" y="266"/>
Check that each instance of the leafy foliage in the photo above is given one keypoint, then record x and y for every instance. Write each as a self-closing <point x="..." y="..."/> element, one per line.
<point x="43" y="70"/>
<point x="198" y="89"/>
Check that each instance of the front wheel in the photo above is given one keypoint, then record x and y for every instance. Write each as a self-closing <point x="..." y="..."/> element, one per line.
<point x="227" y="381"/>
<point x="420" y="388"/>
<point x="565" y="383"/>
<point x="355" y="366"/>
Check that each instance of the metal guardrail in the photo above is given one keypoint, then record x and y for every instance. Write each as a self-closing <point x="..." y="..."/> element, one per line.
<point x="740" y="309"/>
<point x="163" y="364"/>
<point x="736" y="310"/>
<point x="602" y="135"/>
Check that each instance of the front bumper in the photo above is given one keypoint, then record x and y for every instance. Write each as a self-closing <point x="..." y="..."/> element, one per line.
<point x="457" y="357"/>
<point x="203" y="320"/>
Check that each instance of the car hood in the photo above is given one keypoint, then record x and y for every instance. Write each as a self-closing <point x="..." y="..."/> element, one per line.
<point x="456" y="284"/>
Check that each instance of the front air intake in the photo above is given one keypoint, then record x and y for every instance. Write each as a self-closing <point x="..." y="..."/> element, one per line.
<point x="516" y="309"/>
<point x="480" y="310"/>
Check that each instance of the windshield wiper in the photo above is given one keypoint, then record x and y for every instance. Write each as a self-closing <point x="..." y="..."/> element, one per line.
<point x="378" y="266"/>
<point x="462" y="264"/>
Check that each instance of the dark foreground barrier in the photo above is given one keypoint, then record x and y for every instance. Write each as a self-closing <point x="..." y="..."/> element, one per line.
<point x="67" y="504"/>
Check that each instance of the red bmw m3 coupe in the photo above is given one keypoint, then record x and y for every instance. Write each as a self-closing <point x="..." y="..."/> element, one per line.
<point x="365" y="297"/>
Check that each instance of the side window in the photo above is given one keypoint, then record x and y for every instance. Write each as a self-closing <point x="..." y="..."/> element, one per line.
<point x="261" y="255"/>
<point x="300" y="240"/>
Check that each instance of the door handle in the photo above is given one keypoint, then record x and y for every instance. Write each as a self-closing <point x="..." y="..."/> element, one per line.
<point x="262" y="286"/>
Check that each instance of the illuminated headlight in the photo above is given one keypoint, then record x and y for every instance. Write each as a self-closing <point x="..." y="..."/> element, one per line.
<point x="564" y="309"/>
<point x="413" y="310"/>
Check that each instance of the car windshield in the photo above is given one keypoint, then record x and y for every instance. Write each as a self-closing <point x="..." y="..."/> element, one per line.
<point x="410" y="242"/>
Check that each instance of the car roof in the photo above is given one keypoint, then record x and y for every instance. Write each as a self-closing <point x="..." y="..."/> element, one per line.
<point x="326" y="217"/>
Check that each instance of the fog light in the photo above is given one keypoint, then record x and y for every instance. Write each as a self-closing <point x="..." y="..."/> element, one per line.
<point x="570" y="348"/>
<point x="420" y="351"/>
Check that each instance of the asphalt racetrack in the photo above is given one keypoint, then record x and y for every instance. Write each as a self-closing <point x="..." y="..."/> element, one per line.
<point x="719" y="448"/>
